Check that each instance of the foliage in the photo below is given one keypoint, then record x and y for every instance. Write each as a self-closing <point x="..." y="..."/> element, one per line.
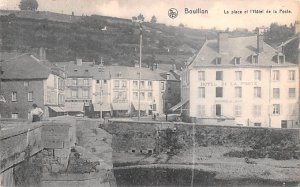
<point x="28" y="5"/>
<point x="141" y="17"/>
<point x="153" y="19"/>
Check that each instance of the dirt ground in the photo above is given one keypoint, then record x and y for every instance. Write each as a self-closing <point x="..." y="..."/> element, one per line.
<point x="211" y="159"/>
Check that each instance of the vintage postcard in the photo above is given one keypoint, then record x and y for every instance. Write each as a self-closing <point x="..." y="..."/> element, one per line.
<point x="149" y="93"/>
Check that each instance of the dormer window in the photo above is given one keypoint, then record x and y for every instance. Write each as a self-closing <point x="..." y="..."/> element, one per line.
<point x="119" y="74"/>
<point x="237" y="60"/>
<point x="280" y="58"/>
<point x="218" y="60"/>
<point x="86" y="70"/>
<point x="75" y="70"/>
<point x="255" y="59"/>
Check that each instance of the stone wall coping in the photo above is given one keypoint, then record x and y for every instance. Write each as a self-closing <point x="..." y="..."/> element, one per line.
<point x="19" y="129"/>
<point x="191" y="124"/>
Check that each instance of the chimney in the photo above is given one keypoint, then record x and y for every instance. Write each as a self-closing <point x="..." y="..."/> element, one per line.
<point x="223" y="42"/>
<point x="42" y="53"/>
<point x="79" y="62"/>
<point x="168" y="76"/>
<point x="173" y="67"/>
<point x="260" y="40"/>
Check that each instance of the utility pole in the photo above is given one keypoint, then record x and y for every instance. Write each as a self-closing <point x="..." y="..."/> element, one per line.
<point x="101" y="69"/>
<point x="141" y="40"/>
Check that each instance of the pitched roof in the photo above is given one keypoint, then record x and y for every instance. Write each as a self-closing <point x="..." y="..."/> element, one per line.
<point x="243" y="47"/>
<point x="89" y="70"/>
<point x="23" y="66"/>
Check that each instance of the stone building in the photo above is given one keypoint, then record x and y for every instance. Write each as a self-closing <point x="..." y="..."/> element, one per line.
<point x="26" y="80"/>
<point x="241" y="81"/>
<point x="113" y="90"/>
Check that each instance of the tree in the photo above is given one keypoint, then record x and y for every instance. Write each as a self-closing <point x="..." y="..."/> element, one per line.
<point x="153" y="19"/>
<point x="141" y="17"/>
<point x="28" y="5"/>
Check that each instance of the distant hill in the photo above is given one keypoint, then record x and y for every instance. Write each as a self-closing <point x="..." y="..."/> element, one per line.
<point x="91" y="37"/>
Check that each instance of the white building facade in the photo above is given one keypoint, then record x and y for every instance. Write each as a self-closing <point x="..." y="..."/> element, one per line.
<point x="241" y="81"/>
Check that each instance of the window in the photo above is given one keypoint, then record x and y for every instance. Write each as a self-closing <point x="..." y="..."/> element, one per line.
<point x="29" y="96"/>
<point x="276" y="75"/>
<point x="276" y="109"/>
<point x="74" y="93"/>
<point x="238" y="75"/>
<point x="149" y="84"/>
<point x="284" y="124"/>
<point x="280" y="59"/>
<point x="116" y="95"/>
<point x="105" y="81"/>
<point x="142" y="95"/>
<point x="14" y="96"/>
<point x="276" y="93"/>
<point x="219" y="75"/>
<point x="135" y="84"/>
<point x="117" y="83"/>
<point x="124" y="84"/>
<point x="255" y="59"/>
<point x="292" y="109"/>
<point x="238" y="92"/>
<point x="154" y="107"/>
<point x="237" y="60"/>
<point x="86" y="70"/>
<point x="97" y="81"/>
<point x="162" y="85"/>
<point x="26" y="83"/>
<point x="201" y="75"/>
<point x="219" y="91"/>
<point x="292" y="92"/>
<point x="291" y="75"/>
<point x="218" y="60"/>
<point x="122" y="95"/>
<point x="149" y="95"/>
<point x="257" y="124"/>
<point x="142" y="84"/>
<point x="14" y="116"/>
<point x="257" y="110"/>
<point x="135" y="95"/>
<point x="85" y="82"/>
<point x="201" y="92"/>
<point x="237" y="110"/>
<point x="257" y="92"/>
<point x="74" y="82"/>
<point x="257" y="75"/>
<point x="201" y="110"/>
<point x="218" y="110"/>
<point x="85" y="93"/>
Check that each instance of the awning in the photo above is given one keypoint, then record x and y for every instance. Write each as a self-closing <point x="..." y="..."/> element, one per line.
<point x="120" y="106"/>
<point x="57" y="109"/>
<point x="178" y="105"/>
<point x="143" y="106"/>
<point x="74" y="106"/>
<point x="103" y="107"/>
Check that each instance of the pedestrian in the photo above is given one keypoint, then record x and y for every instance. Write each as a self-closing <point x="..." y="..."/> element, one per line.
<point x="154" y="117"/>
<point x="36" y="113"/>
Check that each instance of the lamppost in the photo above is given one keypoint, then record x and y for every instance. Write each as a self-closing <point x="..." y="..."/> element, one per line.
<point x="141" y="41"/>
<point x="101" y="69"/>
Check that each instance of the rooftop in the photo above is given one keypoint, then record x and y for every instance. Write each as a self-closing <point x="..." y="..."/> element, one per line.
<point x="243" y="47"/>
<point x="23" y="66"/>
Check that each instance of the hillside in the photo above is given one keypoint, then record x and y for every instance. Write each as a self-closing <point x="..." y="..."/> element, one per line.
<point x="91" y="37"/>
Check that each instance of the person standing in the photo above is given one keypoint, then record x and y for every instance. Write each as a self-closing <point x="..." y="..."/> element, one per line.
<point x="36" y="113"/>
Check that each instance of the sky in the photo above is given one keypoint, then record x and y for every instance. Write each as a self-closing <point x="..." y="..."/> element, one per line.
<point x="215" y="17"/>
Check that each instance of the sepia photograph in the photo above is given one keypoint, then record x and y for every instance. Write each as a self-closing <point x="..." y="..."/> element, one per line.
<point x="121" y="93"/>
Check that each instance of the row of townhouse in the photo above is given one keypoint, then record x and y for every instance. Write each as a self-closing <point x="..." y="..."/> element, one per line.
<point x="114" y="90"/>
<point x="24" y="80"/>
<point x="241" y="81"/>
<point x="81" y="87"/>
